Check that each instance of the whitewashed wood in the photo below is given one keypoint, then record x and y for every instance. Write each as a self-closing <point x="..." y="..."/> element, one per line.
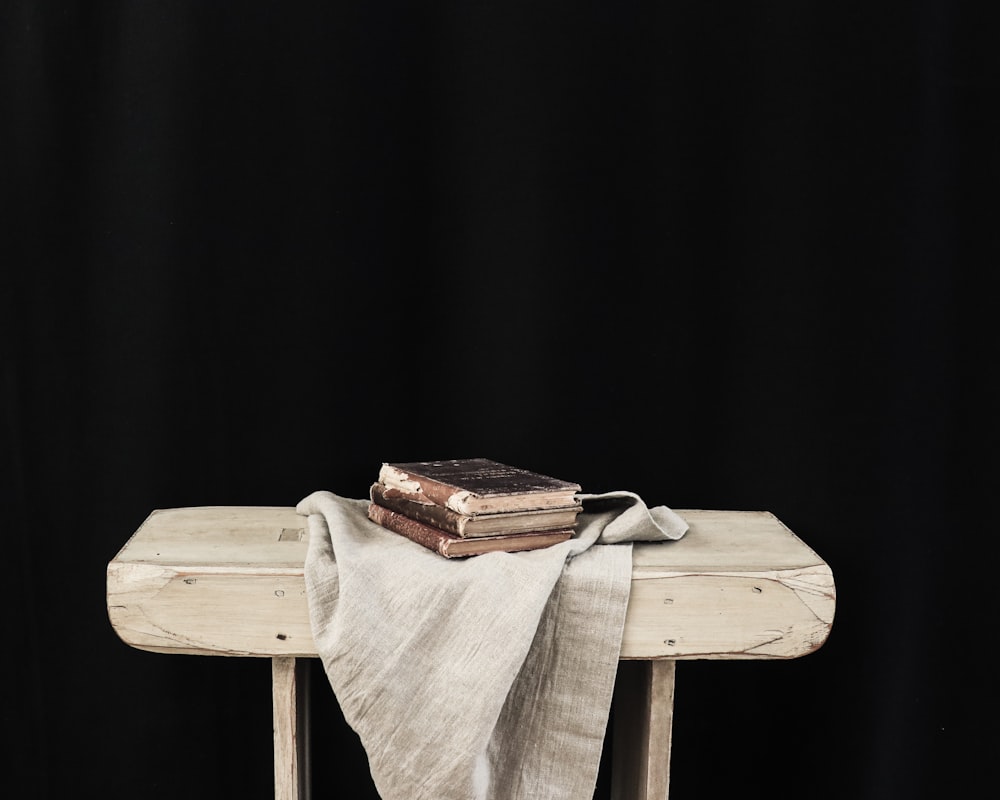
<point x="290" y="701"/>
<point x="739" y="585"/>
<point x="213" y="581"/>
<point x="642" y="730"/>
<point x="229" y="581"/>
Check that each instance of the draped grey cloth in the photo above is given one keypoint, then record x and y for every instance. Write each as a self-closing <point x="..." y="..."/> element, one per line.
<point x="485" y="678"/>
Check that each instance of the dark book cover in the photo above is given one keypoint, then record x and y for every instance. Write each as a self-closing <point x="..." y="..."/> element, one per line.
<point x="479" y="485"/>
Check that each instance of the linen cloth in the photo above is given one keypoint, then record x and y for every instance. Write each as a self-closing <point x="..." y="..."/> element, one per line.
<point x="485" y="678"/>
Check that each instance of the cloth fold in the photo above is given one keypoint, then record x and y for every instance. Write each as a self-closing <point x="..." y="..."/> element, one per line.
<point x="487" y="678"/>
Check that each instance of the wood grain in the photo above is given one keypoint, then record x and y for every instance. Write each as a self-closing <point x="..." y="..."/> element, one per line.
<point x="230" y="581"/>
<point x="290" y="703"/>
<point x="642" y="730"/>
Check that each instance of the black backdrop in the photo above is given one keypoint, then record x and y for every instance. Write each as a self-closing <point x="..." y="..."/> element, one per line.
<point x="722" y="254"/>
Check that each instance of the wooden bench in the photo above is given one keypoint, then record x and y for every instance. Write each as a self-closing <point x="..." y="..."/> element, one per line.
<point x="229" y="581"/>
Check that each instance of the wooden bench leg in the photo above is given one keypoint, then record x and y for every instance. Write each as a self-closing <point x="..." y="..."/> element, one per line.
<point x="642" y="726"/>
<point x="290" y="701"/>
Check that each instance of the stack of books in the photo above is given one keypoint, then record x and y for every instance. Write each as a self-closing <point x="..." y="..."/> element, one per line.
<point x="465" y="507"/>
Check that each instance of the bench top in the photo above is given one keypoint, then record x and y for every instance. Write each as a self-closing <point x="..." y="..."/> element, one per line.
<point x="229" y="580"/>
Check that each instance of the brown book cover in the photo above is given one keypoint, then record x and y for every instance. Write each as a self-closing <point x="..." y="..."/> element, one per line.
<point x="451" y="546"/>
<point x="416" y="506"/>
<point x="479" y="485"/>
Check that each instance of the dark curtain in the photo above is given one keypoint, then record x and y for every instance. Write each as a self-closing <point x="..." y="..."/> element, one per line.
<point x="725" y="255"/>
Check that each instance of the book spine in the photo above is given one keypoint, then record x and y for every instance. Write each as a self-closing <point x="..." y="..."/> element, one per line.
<point x="410" y="528"/>
<point x="431" y="513"/>
<point x="451" y="546"/>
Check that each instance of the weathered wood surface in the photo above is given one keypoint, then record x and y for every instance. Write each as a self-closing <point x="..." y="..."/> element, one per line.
<point x="290" y="704"/>
<point x="229" y="581"/>
<point x="739" y="584"/>
<point x="642" y="730"/>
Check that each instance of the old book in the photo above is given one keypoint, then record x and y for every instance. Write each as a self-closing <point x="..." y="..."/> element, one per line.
<point x="479" y="485"/>
<point x="451" y="546"/>
<point x="416" y="506"/>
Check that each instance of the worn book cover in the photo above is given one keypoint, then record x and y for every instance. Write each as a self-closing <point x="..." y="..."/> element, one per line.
<point x="451" y="546"/>
<point x="417" y="506"/>
<point x="479" y="485"/>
